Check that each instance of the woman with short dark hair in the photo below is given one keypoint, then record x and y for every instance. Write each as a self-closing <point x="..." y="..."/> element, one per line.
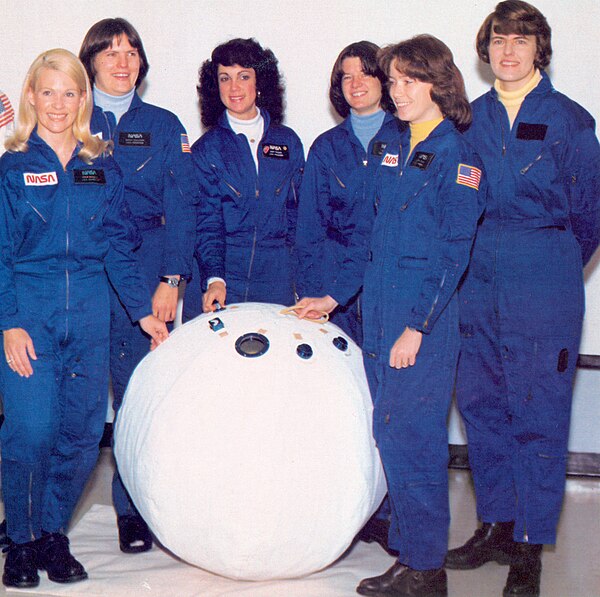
<point x="152" y="150"/>
<point x="337" y="188"/>
<point x="522" y="301"/>
<point x="248" y="168"/>
<point x="429" y="196"/>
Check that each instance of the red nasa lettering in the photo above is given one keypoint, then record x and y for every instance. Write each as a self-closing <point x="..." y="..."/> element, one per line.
<point x="40" y="179"/>
<point x="390" y="159"/>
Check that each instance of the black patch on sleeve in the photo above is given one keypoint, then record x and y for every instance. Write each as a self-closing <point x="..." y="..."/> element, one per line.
<point x="563" y="360"/>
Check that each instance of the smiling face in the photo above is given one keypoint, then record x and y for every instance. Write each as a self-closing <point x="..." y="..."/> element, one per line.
<point x="56" y="100"/>
<point x="117" y="67"/>
<point x="361" y="91"/>
<point x="512" y="59"/>
<point x="412" y="98"/>
<point x="237" y="90"/>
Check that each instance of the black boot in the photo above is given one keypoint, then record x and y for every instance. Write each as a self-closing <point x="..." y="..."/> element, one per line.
<point x="55" y="558"/>
<point x="420" y="583"/>
<point x="4" y="540"/>
<point x="134" y="534"/>
<point x="492" y="542"/>
<point x="20" y="567"/>
<point x="525" y="571"/>
<point x="377" y="585"/>
<point x="376" y="531"/>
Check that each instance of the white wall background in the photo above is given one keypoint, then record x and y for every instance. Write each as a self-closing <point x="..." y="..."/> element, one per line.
<point x="306" y="36"/>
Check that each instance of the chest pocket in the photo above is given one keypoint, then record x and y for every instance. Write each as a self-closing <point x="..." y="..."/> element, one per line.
<point x="90" y="193"/>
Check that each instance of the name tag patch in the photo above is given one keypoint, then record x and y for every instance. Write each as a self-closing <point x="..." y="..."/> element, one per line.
<point x="134" y="139"/>
<point x="390" y="160"/>
<point x="422" y="160"/>
<point x="89" y="176"/>
<point x="279" y="152"/>
<point x="379" y="148"/>
<point x="40" y="179"/>
<point x="531" y="132"/>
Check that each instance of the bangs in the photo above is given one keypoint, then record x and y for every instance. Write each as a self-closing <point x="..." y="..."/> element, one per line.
<point x="514" y="27"/>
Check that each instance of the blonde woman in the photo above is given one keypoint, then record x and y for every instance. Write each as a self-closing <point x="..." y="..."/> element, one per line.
<point x="64" y="232"/>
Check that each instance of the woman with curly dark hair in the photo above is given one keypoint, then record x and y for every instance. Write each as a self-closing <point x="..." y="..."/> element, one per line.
<point x="249" y="167"/>
<point x="428" y="200"/>
<point x="337" y="187"/>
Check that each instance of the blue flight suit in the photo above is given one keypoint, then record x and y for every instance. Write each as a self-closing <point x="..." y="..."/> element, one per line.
<point x="246" y="221"/>
<point x="428" y="204"/>
<point x="335" y="198"/>
<point x="152" y="150"/>
<point x="61" y="233"/>
<point x="522" y="304"/>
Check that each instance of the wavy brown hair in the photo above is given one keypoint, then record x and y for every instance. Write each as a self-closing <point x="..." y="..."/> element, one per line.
<point x="366" y="52"/>
<point x="428" y="59"/>
<point x="515" y="17"/>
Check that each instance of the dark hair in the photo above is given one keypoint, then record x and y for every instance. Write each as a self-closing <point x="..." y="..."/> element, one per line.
<point x="517" y="18"/>
<point x="366" y="51"/>
<point x="428" y="59"/>
<point x="101" y="36"/>
<point x="249" y="54"/>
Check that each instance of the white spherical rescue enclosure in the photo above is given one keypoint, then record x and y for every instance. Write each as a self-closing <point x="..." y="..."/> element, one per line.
<point x="245" y="442"/>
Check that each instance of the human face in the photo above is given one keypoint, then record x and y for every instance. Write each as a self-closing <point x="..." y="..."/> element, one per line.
<point x="412" y="98"/>
<point x="361" y="91"/>
<point x="512" y="59"/>
<point x="117" y="67"/>
<point x="56" y="100"/>
<point x="237" y="89"/>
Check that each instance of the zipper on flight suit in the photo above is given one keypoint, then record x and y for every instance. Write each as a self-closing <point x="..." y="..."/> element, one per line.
<point x="538" y="158"/>
<point x="67" y="279"/>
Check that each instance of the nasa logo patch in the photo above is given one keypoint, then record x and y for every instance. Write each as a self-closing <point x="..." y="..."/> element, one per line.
<point x="390" y="160"/>
<point x="89" y="176"/>
<point x="134" y="139"/>
<point x="40" y="179"/>
<point x="279" y="152"/>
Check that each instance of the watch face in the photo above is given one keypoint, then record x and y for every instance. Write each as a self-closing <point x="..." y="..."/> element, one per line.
<point x="172" y="282"/>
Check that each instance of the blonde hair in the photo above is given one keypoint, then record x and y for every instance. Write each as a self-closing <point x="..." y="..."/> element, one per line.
<point x="65" y="62"/>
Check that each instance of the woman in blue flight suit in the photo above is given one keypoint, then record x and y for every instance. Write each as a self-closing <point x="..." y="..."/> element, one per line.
<point x="152" y="150"/>
<point x="428" y="202"/>
<point x="248" y="167"/>
<point x="63" y="227"/>
<point x="337" y="185"/>
<point x="522" y="301"/>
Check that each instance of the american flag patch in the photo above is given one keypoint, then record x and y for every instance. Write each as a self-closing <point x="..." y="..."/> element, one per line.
<point x="469" y="176"/>
<point x="7" y="114"/>
<point x="185" y="144"/>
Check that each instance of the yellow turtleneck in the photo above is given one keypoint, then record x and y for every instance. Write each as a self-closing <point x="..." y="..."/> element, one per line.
<point x="419" y="131"/>
<point x="512" y="100"/>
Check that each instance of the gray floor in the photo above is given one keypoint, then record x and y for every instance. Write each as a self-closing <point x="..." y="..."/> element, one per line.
<point x="572" y="569"/>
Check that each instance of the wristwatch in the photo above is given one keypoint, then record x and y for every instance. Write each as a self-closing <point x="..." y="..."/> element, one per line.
<point x="172" y="282"/>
